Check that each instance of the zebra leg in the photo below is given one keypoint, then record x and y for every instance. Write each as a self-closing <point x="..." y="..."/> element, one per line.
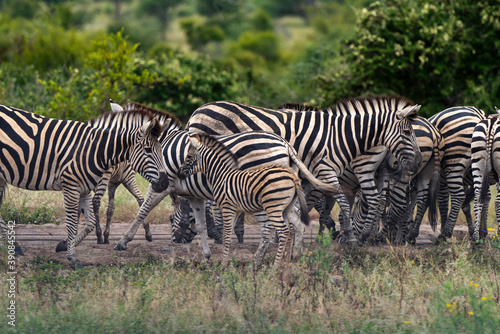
<point x="152" y="200"/>
<point x="324" y="216"/>
<point x="211" y="209"/>
<point x="229" y="217"/>
<point x="72" y="203"/>
<point x="131" y="185"/>
<point x="497" y="207"/>
<point x="265" y="236"/>
<point x="111" y="209"/>
<point x="180" y="220"/>
<point x="291" y="235"/>
<point x="283" y="231"/>
<point x="96" y="201"/>
<point x="443" y="200"/>
<point x="457" y="193"/>
<point x="86" y="206"/>
<point x="346" y="227"/>
<point x="198" y="206"/>
<point x="239" y="228"/>
<point x="481" y="213"/>
<point x="469" y="196"/>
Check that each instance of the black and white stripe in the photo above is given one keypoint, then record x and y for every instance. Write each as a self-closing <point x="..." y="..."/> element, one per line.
<point x="328" y="140"/>
<point x="40" y="153"/>
<point x="272" y="189"/>
<point x="485" y="155"/>
<point x="456" y="126"/>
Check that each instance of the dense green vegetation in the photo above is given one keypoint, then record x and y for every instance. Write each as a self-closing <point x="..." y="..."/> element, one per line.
<point x="66" y="58"/>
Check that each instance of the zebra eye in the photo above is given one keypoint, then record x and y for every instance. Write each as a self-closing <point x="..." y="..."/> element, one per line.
<point x="148" y="150"/>
<point x="406" y="131"/>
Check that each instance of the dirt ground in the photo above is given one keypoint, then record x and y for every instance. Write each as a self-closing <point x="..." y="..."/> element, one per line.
<point x="41" y="241"/>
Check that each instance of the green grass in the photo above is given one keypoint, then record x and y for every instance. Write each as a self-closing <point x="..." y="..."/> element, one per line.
<point x="445" y="289"/>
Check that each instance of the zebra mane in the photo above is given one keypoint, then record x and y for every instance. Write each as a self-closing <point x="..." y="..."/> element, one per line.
<point x="172" y="122"/>
<point x="130" y="120"/>
<point x="394" y="103"/>
<point x="298" y="107"/>
<point x="215" y="145"/>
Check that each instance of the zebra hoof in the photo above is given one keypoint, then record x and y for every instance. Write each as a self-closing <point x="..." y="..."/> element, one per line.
<point x="106" y="241"/>
<point x="62" y="246"/>
<point x="240" y="238"/>
<point x="149" y="237"/>
<point x="100" y="241"/>
<point x="18" y="251"/>
<point x="120" y="247"/>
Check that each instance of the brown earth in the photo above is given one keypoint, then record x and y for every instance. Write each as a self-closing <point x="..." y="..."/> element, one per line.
<point x="41" y="241"/>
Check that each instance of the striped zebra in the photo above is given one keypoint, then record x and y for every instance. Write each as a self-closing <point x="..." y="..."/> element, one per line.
<point x="418" y="190"/>
<point x="328" y="140"/>
<point x="485" y="155"/>
<point x="252" y="149"/>
<point x="456" y="126"/>
<point x="273" y="189"/>
<point x="40" y="153"/>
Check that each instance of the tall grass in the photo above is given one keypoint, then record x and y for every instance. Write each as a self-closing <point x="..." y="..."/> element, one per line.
<point x="447" y="289"/>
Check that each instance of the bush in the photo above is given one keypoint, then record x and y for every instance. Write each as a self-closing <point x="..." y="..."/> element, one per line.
<point x="434" y="52"/>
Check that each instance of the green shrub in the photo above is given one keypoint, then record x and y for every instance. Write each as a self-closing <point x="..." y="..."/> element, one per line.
<point x="433" y="52"/>
<point x="23" y="214"/>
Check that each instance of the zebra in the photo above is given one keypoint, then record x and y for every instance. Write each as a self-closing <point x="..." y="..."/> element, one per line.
<point x="123" y="173"/>
<point x="40" y="153"/>
<point x="418" y="190"/>
<point x="327" y="140"/>
<point x="456" y="126"/>
<point x="273" y="189"/>
<point x="253" y="150"/>
<point x="485" y="153"/>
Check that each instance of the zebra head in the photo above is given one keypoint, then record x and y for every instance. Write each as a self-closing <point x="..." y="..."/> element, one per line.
<point x="147" y="156"/>
<point x="190" y="165"/>
<point x="402" y="142"/>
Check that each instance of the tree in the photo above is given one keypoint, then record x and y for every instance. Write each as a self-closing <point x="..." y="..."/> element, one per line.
<point x="159" y="9"/>
<point x="436" y="52"/>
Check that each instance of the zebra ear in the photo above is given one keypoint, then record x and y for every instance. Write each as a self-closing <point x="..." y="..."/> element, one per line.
<point x="115" y="107"/>
<point x="195" y="141"/>
<point x="408" y="111"/>
<point x="497" y="110"/>
<point x="146" y="128"/>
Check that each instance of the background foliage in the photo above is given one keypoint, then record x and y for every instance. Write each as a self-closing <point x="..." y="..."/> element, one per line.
<point x="65" y="59"/>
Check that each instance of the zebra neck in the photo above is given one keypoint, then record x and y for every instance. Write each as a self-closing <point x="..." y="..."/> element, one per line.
<point x="216" y="167"/>
<point x="115" y="148"/>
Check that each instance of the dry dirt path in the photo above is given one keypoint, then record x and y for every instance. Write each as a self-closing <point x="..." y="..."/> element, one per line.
<point x="41" y="241"/>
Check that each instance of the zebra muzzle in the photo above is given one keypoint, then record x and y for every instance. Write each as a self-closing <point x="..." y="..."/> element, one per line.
<point x="162" y="183"/>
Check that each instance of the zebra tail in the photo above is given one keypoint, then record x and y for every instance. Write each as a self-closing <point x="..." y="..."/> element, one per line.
<point x="327" y="188"/>
<point x="433" y="199"/>
<point x="304" y="211"/>
<point x="486" y="175"/>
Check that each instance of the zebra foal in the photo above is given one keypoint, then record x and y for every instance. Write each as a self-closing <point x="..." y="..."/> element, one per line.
<point x="271" y="189"/>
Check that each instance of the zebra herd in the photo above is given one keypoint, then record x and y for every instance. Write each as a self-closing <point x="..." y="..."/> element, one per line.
<point x="373" y="156"/>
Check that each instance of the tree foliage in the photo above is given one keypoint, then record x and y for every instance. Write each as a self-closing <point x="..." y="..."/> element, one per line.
<point x="436" y="52"/>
